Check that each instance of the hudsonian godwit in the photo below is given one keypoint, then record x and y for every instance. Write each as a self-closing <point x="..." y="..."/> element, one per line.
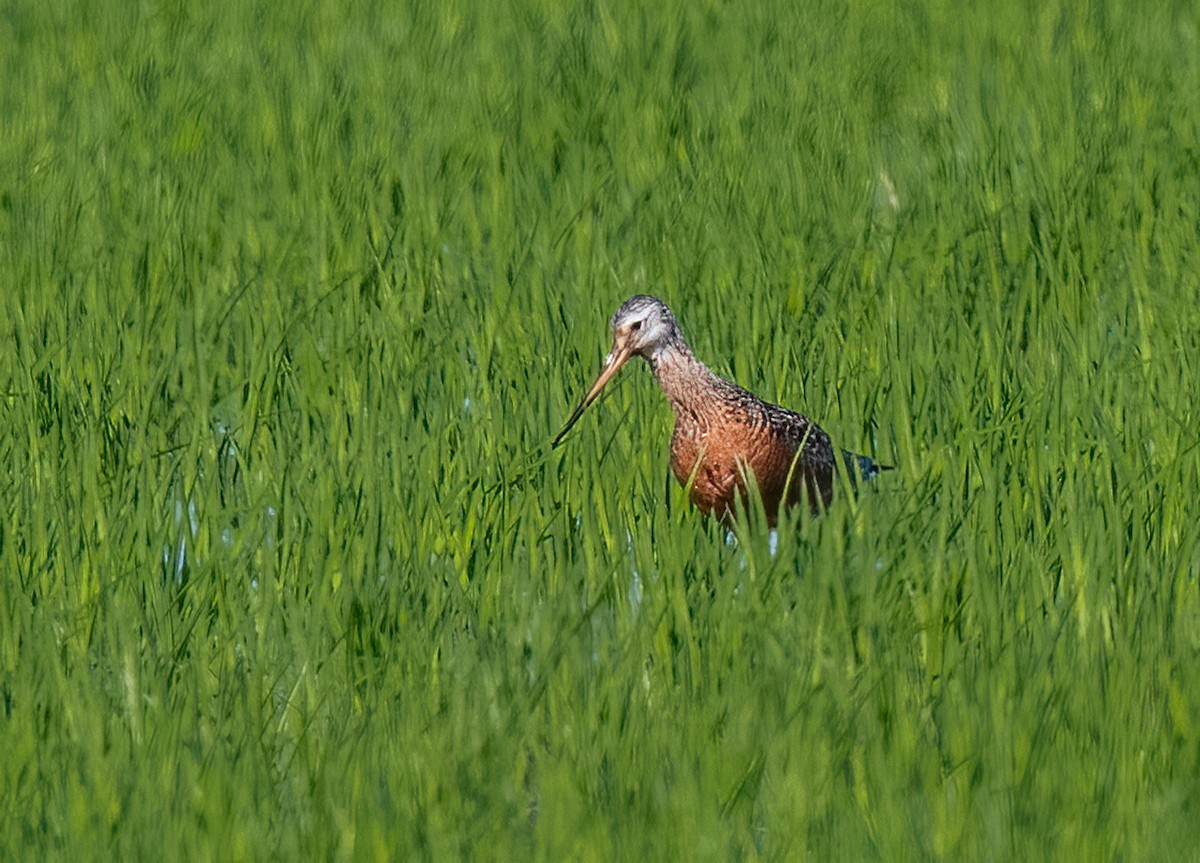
<point x="726" y="440"/>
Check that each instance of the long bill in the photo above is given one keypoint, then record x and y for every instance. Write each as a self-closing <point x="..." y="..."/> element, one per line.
<point x="615" y="360"/>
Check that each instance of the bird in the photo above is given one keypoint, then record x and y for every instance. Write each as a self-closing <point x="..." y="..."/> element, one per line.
<point x="727" y="441"/>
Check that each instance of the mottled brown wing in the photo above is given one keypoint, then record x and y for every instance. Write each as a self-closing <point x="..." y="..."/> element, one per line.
<point x="810" y="456"/>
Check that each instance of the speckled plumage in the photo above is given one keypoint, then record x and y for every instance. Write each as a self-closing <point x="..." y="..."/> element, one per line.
<point x="726" y="439"/>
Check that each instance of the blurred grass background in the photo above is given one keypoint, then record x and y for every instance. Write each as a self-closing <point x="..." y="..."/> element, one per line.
<point x="296" y="296"/>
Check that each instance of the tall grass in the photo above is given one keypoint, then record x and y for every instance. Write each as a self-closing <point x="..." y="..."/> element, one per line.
<point x="296" y="297"/>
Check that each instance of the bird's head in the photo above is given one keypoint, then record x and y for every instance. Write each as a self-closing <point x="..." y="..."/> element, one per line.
<point x="642" y="326"/>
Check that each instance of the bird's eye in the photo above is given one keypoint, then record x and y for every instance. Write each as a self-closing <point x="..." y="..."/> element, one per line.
<point x="635" y="326"/>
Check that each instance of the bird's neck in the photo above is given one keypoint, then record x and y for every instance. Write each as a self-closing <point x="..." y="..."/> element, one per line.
<point x="682" y="377"/>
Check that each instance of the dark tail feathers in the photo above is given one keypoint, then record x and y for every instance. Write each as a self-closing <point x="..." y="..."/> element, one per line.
<point x="862" y="467"/>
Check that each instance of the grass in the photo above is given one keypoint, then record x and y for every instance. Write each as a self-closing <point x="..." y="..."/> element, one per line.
<point x="295" y="299"/>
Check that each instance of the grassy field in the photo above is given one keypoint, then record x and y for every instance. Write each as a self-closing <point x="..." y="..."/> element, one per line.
<point x="295" y="297"/>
